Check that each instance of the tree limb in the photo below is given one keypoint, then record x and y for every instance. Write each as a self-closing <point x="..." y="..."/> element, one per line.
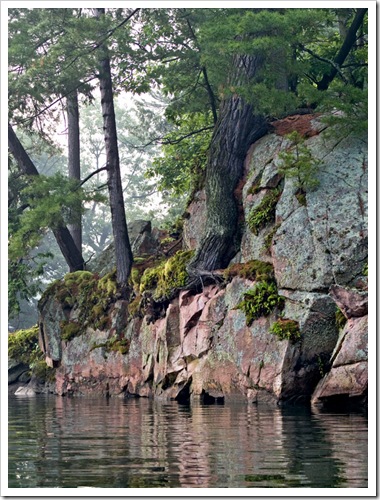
<point x="344" y="50"/>
<point x="92" y="174"/>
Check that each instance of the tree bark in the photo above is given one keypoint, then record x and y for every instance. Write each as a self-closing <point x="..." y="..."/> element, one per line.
<point x="236" y="129"/>
<point x="69" y="250"/>
<point x="123" y="252"/>
<point x="74" y="160"/>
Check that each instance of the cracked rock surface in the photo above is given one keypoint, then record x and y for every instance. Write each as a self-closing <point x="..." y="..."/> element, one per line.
<point x="203" y="345"/>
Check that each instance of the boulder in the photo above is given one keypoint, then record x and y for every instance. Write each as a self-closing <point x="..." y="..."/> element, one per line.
<point x="352" y="303"/>
<point x="16" y="370"/>
<point x="143" y="241"/>
<point x="348" y="375"/>
<point x="25" y="391"/>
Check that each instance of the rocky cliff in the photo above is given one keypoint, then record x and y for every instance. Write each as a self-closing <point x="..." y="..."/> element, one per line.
<point x="287" y="321"/>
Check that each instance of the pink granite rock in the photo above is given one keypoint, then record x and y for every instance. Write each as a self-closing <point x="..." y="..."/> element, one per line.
<point x="352" y="303"/>
<point x="345" y="380"/>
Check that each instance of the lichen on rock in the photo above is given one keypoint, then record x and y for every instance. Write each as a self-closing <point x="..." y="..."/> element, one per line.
<point x="266" y="329"/>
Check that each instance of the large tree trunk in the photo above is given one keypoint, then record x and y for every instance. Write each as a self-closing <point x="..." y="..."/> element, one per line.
<point x="236" y="129"/>
<point x="123" y="252"/>
<point x="74" y="161"/>
<point x="66" y="244"/>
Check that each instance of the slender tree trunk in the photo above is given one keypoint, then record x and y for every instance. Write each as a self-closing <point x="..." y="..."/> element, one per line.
<point x="123" y="252"/>
<point x="236" y="129"/>
<point x="74" y="161"/>
<point x="66" y="244"/>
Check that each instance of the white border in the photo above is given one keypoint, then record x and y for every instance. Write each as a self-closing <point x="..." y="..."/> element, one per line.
<point x="188" y="492"/>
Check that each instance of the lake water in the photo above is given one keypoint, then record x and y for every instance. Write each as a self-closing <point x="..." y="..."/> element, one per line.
<point x="135" y="443"/>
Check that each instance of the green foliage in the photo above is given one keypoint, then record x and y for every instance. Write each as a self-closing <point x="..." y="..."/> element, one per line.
<point x="299" y="163"/>
<point x="340" y="319"/>
<point x="365" y="269"/>
<point x="255" y="270"/>
<point x="134" y="307"/>
<point x="189" y="54"/>
<point x="181" y="167"/>
<point x="24" y="280"/>
<point x="286" y="329"/>
<point x="50" y="202"/>
<point x="23" y="347"/>
<point x="167" y="276"/>
<point x="265" y="212"/>
<point x="260" y="301"/>
<point x="23" y="344"/>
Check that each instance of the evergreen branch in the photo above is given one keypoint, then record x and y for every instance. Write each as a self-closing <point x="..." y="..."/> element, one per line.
<point x="167" y="142"/>
<point x="30" y="118"/>
<point x="328" y="61"/>
<point x="194" y="132"/>
<point x="101" y="42"/>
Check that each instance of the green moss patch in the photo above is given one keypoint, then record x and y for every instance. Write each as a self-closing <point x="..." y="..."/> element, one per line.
<point x="256" y="184"/>
<point x="114" y="344"/>
<point x="365" y="269"/>
<point x="255" y="270"/>
<point x="22" y="344"/>
<point x="260" y="301"/>
<point x="23" y="347"/>
<point x="91" y="295"/>
<point x="167" y="277"/>
<point x="265" y="212"/>
<point x="69" y="330"/>
<point x="286" y="329"/>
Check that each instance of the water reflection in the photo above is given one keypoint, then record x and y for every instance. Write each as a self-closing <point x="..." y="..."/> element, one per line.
<point x="62" y="442"/>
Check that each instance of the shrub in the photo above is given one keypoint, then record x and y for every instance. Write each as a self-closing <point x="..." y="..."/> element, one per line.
<point x="298" y="162"/>
<point x="23" y="347"/>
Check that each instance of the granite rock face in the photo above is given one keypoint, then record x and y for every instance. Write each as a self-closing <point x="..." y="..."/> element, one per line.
<point x="202" y="346"/>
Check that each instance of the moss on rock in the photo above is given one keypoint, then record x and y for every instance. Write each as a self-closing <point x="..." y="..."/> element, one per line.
<point x="23" y="347"/>
<point x="22" y="344"/>
<point x="69" y="330"/>
<point x="265" y="212"/>
<point x="89" y="294"/>
<point x="114" y="344"/>
<point x="340" y="319"/>
<point x="167" y="277"/>
<point x="255" y="270"/>
<point x="286" y="329"/>
<point x="260" y="301"/>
